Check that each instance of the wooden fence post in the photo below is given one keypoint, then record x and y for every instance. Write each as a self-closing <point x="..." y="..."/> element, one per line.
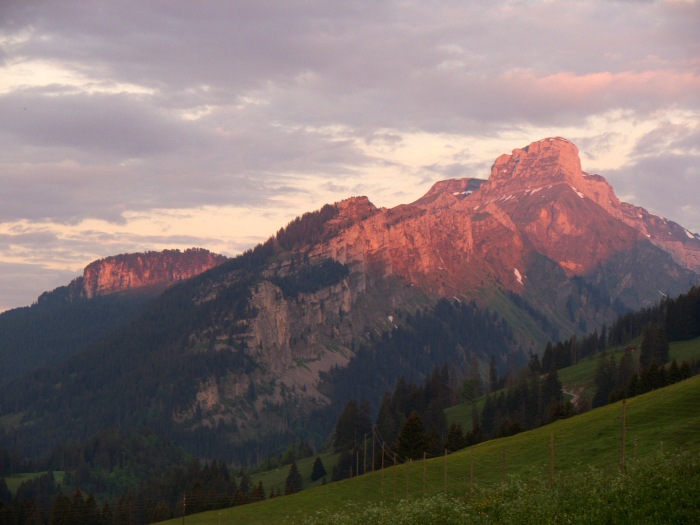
<point x="551" y="458"/>
<point x="382" y="471"/>
<point x="471" y="472"/>
<point x="394" y="469"/>
<point x="503" y="466"/>
<point x="624" y="431"/>
<point x="445" y="471"/>
<point x="424" y="457"/>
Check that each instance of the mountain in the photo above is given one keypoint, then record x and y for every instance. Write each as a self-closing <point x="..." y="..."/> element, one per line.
<point x="267" y="347"/>
<point x="110" y="292"/>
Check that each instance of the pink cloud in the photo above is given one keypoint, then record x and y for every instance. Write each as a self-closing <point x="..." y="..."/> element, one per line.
<point x="622" y="88"/>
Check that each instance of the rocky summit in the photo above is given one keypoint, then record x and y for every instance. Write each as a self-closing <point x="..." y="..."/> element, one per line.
<point x="466" y="233"/>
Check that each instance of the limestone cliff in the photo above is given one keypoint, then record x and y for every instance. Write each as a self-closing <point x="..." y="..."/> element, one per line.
<point x="134" y="271"/>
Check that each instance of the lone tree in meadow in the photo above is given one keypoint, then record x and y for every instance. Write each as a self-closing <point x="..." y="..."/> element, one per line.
<point x="318" y="470"/>
<point x="294" y="481"/>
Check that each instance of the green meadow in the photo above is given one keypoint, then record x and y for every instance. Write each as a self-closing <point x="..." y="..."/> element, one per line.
<point x="658" y="425"/>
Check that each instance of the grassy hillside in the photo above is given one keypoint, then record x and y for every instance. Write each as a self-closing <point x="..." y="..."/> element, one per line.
<point x="275" y="479"/>
<point x="663" y="420"/>
<point x="14" y="481"/>
<point x="580" y="377"/>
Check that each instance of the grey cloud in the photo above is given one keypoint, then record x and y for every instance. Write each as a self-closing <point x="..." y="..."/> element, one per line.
<point x="667" y="185"/>
<point x="243" y="164"/>
<point x="21" y="284"/>
<point x="121" y="126"/>
<point x="291" y="88"/>
<point x="436" y="66"/>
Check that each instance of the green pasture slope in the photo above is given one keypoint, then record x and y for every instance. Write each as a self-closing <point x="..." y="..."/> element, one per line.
<point x="277" y="478"/>
<point x="665" y="420"/>
<point x="580" y="376"/>
<point x="15" y="480"/>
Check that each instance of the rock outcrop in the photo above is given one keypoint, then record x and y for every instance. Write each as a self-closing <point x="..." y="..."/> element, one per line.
<point x="140" y="271"/>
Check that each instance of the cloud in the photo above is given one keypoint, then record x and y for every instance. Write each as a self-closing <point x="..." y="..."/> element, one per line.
<point x="92" y="125"/>
<point x="22" y="284"/>
<point x="667" y="184"/>
<point x="120" y="118"/>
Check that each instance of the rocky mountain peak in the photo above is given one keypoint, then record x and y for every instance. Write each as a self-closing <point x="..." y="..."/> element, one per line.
<point x="548" y="160"/>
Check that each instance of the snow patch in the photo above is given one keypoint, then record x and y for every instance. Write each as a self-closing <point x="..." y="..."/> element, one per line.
<point x="578" y="192"/>
<point x="468" y="192"/>
<point x="689" y="234"/>
<point x="391" y="318"/>
<point x="518" y="277"/>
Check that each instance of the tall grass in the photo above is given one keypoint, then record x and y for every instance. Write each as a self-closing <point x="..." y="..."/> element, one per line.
<point x="659" y="489"/>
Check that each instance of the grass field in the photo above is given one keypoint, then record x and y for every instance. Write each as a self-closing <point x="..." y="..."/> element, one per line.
<point x="580" y="375"/>
<point x="664" y="420"/>
<point x="14" y="481"/>
<point x="275" y="479"/>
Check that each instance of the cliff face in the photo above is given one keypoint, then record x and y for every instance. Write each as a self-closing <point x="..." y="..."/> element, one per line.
<point x="129" y="272"/>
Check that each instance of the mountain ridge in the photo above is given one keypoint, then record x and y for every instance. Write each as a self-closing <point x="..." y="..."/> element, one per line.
<point x="249" y="342"/>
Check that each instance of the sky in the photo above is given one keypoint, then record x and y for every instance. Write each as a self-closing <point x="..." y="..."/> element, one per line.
<point x="137" y="125"/>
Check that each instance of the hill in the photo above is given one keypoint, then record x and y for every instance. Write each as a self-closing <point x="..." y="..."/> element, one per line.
<point x="663" y="420"/>
<point x="111" y="292"/>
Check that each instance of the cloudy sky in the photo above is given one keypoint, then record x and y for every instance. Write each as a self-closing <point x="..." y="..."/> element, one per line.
<point x="137" y="125"/>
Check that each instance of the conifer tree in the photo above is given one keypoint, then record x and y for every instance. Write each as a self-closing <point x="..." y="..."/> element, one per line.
<point x="654" y="347"/>
<point x="455" y="438"/>
<point x="412" y="440"/>
<point x="605" y="380"/>
<point x="258" y="493"/>
<point x="294" y="482"/>
<point x="318" y="470"/>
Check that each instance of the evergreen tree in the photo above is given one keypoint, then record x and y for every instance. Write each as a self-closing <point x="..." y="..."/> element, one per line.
<point x="294" y="482"/>
<point x="412" y="441"/>
<point x="388" y="419"/>
<point x="534" y="364"/>
<point x="493" y="375"/>
<point x="551" y="392"/>
<point x="352" y="425"/>
<point x="5" y="494"/>
<point x="318" y="470"/>
<point x="654" y="347"/>
<point x="488" y="416"/>
<point x="60" y="510"/>
<point x="605" y="380"/>
<point x="258" y="493"/>
<point x="625" y="369"/>
<point x="455" y="438"/>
